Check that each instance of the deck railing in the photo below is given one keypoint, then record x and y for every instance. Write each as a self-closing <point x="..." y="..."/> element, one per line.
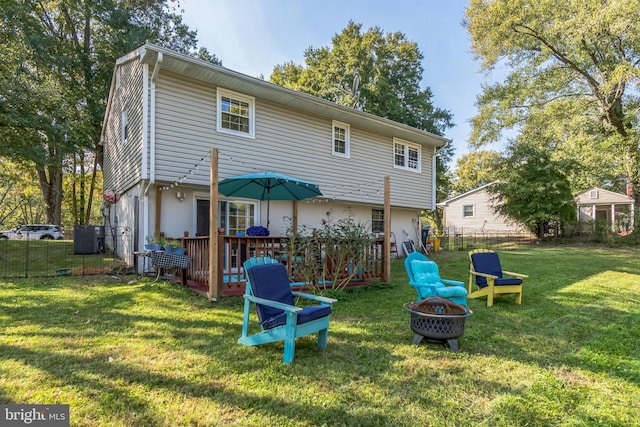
<point x="234" y="250"/>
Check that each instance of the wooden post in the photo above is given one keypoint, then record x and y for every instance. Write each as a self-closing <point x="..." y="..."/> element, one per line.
<point x="386" y="251"/>
<point x="214" y="285"/>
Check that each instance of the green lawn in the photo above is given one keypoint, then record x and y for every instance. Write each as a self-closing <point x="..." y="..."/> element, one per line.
<point x="142" y="354"/>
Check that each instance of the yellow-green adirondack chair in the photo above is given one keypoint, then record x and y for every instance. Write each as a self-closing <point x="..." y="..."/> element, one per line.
<point x="486" y="273"/>
<point x="269" y="288"/>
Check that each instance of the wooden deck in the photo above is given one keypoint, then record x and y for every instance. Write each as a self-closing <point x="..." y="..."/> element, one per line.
<point x="234" y="250"/>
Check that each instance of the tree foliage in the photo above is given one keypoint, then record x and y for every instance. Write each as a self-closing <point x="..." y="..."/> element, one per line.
<point x="475" y="169"/>
<point x="573" y="70"/>
<point x="57" y="59"/>
<point x="533" y="189"/>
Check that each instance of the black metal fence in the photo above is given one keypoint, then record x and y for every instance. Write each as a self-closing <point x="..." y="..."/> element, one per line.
<point x="90" y="251"/>
<point x="467" y="239"/>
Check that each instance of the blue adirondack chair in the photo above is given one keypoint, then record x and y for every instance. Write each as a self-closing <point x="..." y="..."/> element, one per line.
<point x="425" y="277"/>
<point x="269" y="289"/>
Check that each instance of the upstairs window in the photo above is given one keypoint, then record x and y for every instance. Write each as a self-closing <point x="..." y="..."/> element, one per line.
<point x="341" y="137"/>
<point x="124" y="127"/>
<point x="236" y="113"/>
<point x="593" y="194"/>
<point x="468" y="211"/>
<point x="406" y="156"/>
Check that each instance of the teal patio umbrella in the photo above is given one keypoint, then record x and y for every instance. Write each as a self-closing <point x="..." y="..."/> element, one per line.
<point x="268" y="186"/>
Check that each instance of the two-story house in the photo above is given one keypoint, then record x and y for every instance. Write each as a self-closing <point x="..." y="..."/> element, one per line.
<point x="166" y="111"/>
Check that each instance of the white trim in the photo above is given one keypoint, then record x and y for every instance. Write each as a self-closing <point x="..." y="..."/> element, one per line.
<point x="347" y="139"/>
<point x="250" y="100"/>
<point x="407" y="146"/>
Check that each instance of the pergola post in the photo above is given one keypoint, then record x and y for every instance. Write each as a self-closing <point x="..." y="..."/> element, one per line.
<point x="214" y="285"/>
<point x="386" y="251"/>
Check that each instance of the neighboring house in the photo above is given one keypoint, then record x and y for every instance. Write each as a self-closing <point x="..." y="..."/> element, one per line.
<point x="598" y="204"/>
<point x="167" y="111"/>
<point x="472" y="212"/>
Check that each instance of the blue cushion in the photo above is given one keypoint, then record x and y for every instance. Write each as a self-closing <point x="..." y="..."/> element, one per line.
<point x="451" y="291"/>
<point x="270" y="281"/>
<point x="507" y="281"/>
<point x="488" y="263"/>
<point x="306" y="315"/>
<point x="426" y="272"/>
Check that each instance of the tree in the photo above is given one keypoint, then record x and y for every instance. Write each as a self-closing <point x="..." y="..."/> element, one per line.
<point x="62" y="55"/>
<point x="573" y="69"/>
<point x="533" y="189"/>
<point x="475" y="169"/>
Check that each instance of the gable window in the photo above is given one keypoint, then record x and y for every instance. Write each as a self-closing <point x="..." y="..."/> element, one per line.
<point x="341" y="137"/>
<point x="406" y="155"/>
<point x="593" y="194"/>
<point x="124" y="127"/>
<point x="377" y="221"/>
<point x="236" y="113"/>
<point x="468" y="211"/>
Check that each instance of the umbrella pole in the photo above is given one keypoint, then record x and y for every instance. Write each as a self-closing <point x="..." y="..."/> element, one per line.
<point x="268" y="200"/>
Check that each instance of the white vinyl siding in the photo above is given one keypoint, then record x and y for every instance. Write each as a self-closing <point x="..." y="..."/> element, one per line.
<point x="122" y="162"/>
<point x="340" y="140"/>
<point x="236" y="113"/>
<point x="479" y="204"/>
<point x="406" y="155"/>
<point x="288" y="141"/>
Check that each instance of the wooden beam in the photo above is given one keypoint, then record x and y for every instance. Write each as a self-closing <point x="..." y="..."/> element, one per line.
<point x="214" y="285"/>
<point x="386" y="251"/>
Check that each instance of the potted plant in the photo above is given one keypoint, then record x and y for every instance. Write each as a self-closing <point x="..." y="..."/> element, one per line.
<point x="151" y="244"/>
<point x="174" y="247"/>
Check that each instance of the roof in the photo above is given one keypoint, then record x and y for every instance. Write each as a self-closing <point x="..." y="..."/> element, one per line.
<point x="198" y="69"/>
<point x="604" y="197"/>
<point x="462" y="196"/>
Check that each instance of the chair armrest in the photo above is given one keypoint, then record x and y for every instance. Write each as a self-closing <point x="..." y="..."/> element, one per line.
<point x="452" y="282"/>
<point x="518" y="275"/>
<point x="274" y="304"/>
<point x="488" y="276"/>
<point x="314" y="297"/>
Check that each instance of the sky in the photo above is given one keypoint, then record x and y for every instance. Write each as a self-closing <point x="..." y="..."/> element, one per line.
<point x="253" y="36"/>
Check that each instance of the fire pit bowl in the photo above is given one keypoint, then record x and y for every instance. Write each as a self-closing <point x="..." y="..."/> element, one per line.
<point x="437" y="320"/>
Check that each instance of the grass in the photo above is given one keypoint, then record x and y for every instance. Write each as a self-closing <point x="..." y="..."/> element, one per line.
<point x="142" y="354"/>
<point x="42" y="258"/>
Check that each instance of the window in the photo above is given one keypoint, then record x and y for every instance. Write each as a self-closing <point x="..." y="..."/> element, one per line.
<point x="124" y="127"/>
<point x="468" y="211"/>
<point x="593" y="194"/>
<point x="377" y="220"/>
<point x="341" y="139"/>
<point x="406" y="155"/>
<point x="236" y="113"/>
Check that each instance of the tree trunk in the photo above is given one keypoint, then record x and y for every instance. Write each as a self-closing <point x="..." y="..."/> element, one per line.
<point x="50" y="179"/>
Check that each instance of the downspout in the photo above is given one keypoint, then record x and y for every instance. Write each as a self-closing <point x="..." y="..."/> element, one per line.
<point x="150" y="119"/>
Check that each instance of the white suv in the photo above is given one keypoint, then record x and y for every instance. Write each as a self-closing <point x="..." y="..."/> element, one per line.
<point x="39" y="231"/>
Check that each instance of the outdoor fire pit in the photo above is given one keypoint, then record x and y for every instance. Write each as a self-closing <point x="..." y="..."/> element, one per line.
<point x="437" y="320"/>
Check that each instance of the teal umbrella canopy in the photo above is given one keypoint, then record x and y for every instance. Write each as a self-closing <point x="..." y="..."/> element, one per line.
<point x="268" y="186"/>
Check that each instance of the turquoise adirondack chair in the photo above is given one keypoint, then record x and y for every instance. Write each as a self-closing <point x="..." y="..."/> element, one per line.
<point x="269" y="289"/>
<point x="425" y="277"/>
